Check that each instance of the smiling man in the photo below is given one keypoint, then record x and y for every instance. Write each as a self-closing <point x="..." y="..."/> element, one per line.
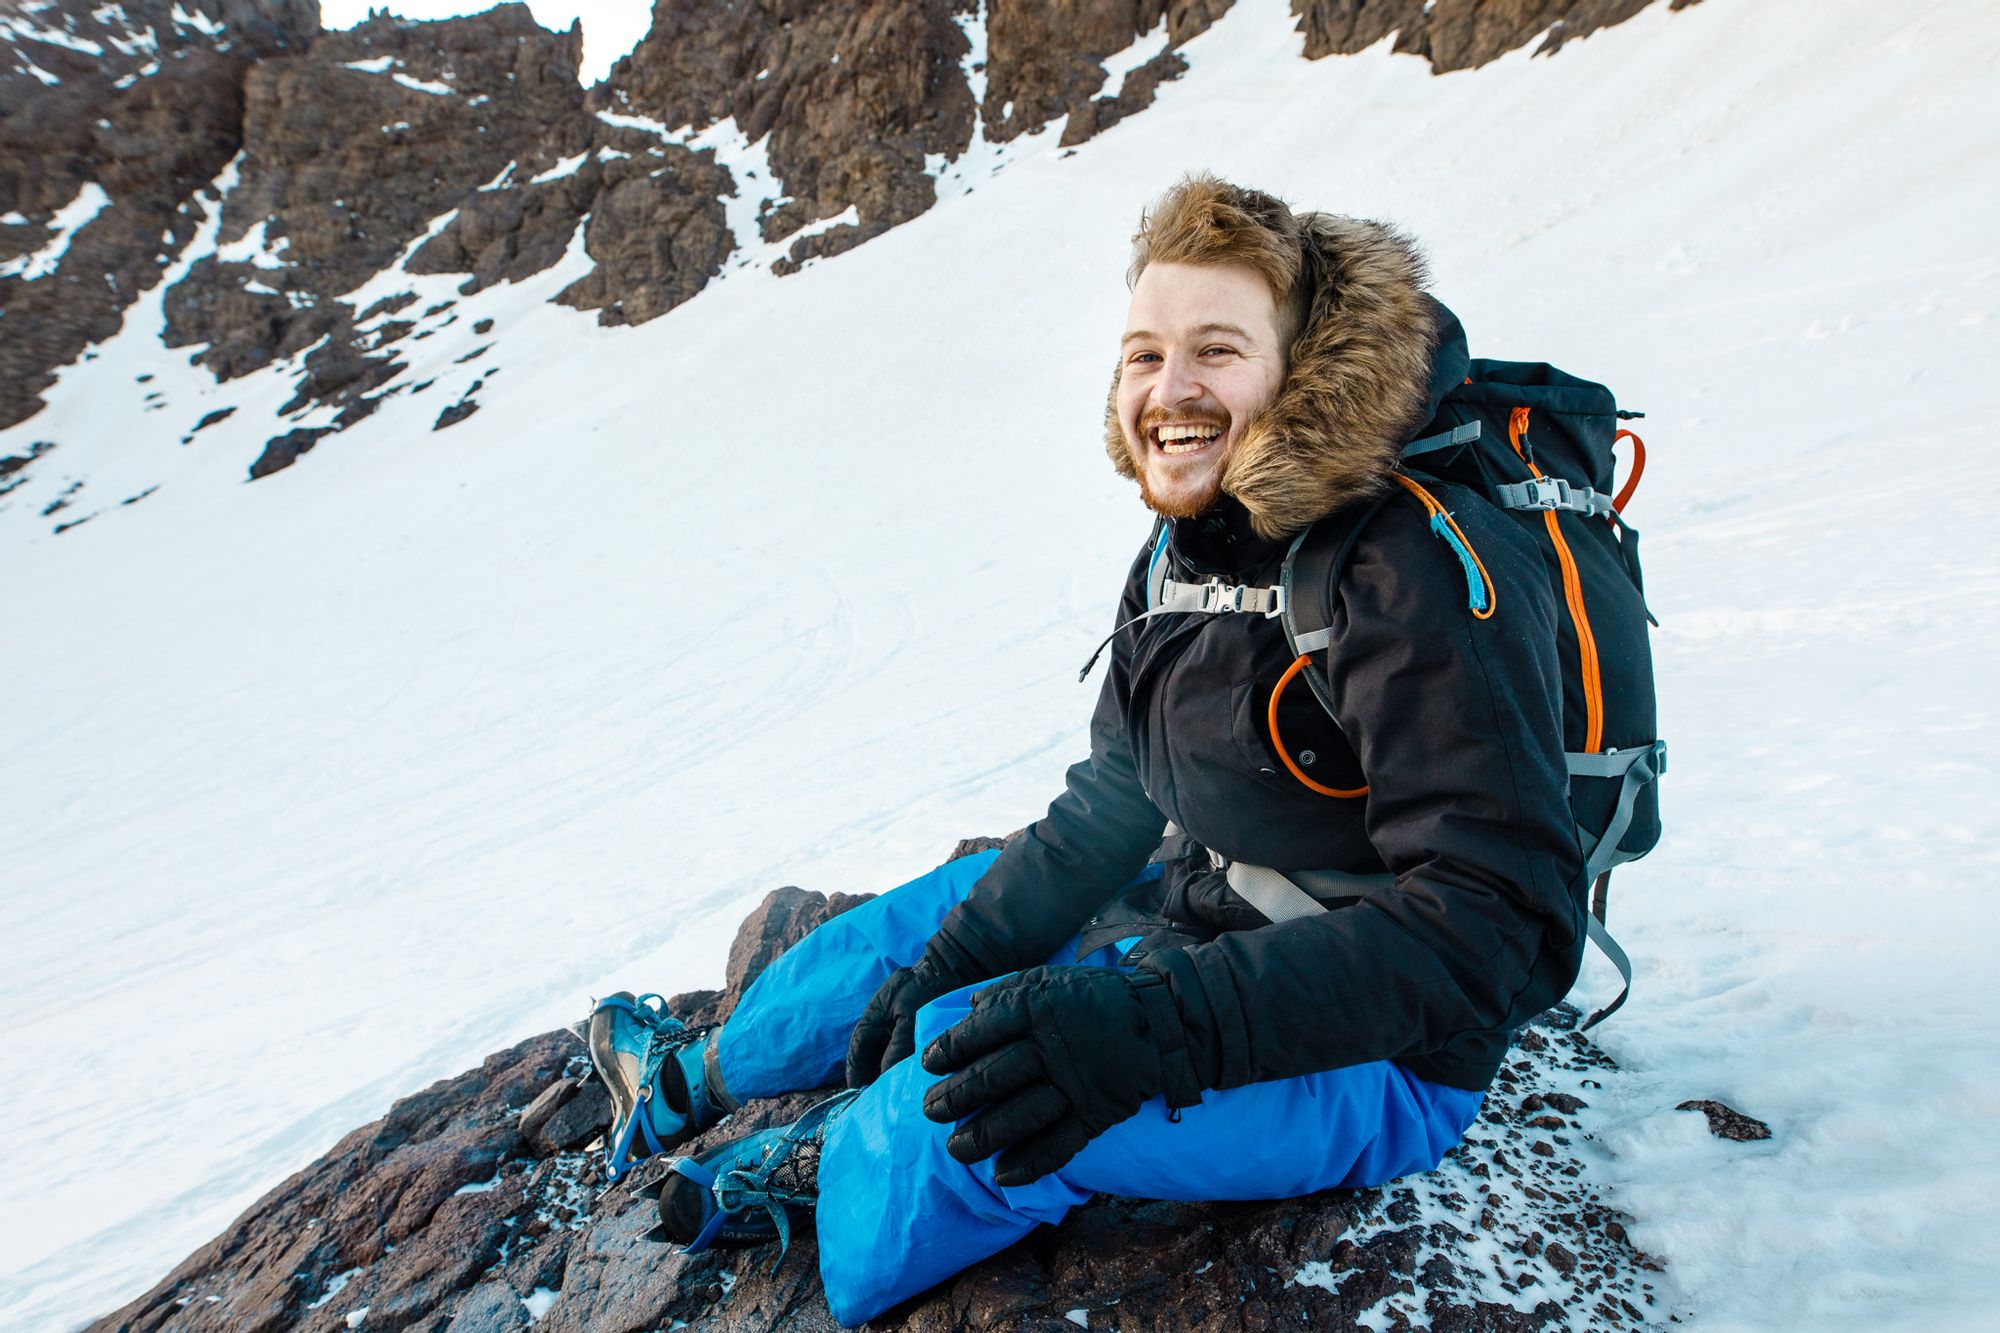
<point x="1255" y="949"/>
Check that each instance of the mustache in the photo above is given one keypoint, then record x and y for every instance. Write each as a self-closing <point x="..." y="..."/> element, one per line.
<point x="1154" y="417"/>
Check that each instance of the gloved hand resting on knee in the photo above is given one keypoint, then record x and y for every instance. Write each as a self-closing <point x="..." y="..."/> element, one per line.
<point x="887" y="1030"/>
<point x="1052" y="1057"/>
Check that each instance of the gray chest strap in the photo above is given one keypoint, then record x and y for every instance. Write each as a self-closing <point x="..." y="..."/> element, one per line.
<point x="1214" y="598"/>
<point x="1552" y="493"/>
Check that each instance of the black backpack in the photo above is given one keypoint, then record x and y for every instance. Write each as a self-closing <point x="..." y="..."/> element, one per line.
<point x="1538" y="443"/>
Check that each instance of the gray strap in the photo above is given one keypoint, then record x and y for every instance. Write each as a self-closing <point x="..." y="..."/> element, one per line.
<point x="1339" y="884"/>
<point x="1271" y="893"/>
<point x="1280" y="899"/>
<point x="1602" y="939"/>
<point x="1461" y="434"/>
<point x="1213" y="598"/>
<point x="1218" y="598"/>
<point x="1313" y="641"/>
<point x="1551" y="493"/>
<point x="1638" y="766"/>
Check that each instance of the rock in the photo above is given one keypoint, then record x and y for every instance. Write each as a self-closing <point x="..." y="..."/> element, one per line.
<point x="1725" y="1122"/>
<point x="473" y="1195"/>
<point x="284" y="450"/>
<point x="1457" y="34"/>
<point x="456" y="413"/>
<point x="784" y="918"/>
<point x="551" y="1100"/>
<point x="573" y="1124"/>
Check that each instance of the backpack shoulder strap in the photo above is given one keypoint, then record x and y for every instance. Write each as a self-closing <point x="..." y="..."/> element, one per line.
<point x="1312" y="570"/>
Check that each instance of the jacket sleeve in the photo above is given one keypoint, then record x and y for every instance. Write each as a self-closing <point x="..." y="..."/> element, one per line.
<point x="1095" y="837"/>
<point x="1457" y="722"/>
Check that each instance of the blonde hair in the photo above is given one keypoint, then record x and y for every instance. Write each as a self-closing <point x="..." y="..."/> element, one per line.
<point x="1205" y="220"/>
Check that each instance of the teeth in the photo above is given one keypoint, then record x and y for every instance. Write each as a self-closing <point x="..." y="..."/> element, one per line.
<point x="1183" y="448"/>
<point x="1187" y="432"/>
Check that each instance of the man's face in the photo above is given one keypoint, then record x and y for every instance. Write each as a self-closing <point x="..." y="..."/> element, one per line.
<point x="1202" y="356"/>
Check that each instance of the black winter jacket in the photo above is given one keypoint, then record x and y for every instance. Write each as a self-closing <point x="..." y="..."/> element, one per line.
<point x="1454" y="724"/>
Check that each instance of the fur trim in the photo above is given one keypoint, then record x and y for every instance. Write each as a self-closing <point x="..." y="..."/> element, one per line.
<point x="1355" y="389"/>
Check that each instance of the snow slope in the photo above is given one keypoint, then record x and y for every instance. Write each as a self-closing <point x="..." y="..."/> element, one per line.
<point x="323" y="787"/>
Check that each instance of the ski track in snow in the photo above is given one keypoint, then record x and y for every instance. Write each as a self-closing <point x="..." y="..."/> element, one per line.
<point x="325" y="787"/>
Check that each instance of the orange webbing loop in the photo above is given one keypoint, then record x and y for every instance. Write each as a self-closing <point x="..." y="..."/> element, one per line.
<point x="1638" y="468"/>
<point x="1586" y="641"/>
<point x="1436" y="510"/>
<point x="1278" y="744"/>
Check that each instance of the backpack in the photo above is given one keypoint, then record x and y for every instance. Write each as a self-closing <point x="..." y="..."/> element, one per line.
<point x="1539" y="443"/>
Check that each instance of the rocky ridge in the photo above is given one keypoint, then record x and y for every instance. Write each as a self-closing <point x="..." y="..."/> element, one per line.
<point x="782" y="128"/>
<point x="478" y="1205"/>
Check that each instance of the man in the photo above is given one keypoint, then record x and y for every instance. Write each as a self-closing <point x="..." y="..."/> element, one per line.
<point x="1152" y="1032"/>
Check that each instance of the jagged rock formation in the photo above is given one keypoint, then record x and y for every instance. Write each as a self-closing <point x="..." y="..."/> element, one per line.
<point x="113" y="115"/>
<point x="477" y="1206"/>
<point x="1457" y="34"/>
<point x="466" y="146"/>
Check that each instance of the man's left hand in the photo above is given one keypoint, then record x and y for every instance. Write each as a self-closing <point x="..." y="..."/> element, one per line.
<point x="1050" y="1058"/>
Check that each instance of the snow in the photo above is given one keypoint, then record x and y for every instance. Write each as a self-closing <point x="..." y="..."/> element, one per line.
<point x="70" y="219"/>
<point x="197" y="20"/>
<point x="372" y="65"/>
<point x="324" y="787"/>
<point x="567" y="167"/>
<point x="23" y="31"/>
<point x="430" y="86"/>
<point x="255" y="247"/>
<point x="539" y="1302"/>
<point x="335" y="1285"/>
<point x="631" y="122"/>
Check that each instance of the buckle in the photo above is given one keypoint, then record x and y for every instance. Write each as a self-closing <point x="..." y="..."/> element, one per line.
<point x="1223" y="597"/>
<point x="1219" y="596"/>
<point x="1533" y="493"/>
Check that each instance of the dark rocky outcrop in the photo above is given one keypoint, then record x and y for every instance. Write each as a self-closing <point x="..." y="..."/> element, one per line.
<point x="478" y="1204"/>
<point x="853" y="94"/>
<point x="1457" y="34"/>
<point x="146" y="105"/>
<point x="1726" y="1122"/>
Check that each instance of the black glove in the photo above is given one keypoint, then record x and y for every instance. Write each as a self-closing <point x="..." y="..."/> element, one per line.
<point x="1056" y="1056"/>
<point x="887" y="1030"/>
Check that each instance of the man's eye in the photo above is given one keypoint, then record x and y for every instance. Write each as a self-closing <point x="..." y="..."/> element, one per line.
<point x="1144" y="358"/>
<point x="1222" y="351"/>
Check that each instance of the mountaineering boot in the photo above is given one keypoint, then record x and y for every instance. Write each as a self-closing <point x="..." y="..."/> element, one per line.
<point x="748" y="1191"/>
<point x="651" y="1064"/>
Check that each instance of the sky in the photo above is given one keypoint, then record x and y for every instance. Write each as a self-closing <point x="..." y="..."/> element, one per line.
<point x="611" y="28"/>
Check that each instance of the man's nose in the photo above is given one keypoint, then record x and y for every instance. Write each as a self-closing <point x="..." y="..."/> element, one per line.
<point x="1180" y="379"/>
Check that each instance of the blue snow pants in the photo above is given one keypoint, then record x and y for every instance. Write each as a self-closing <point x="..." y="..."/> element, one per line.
<point x="898" y="1214"/>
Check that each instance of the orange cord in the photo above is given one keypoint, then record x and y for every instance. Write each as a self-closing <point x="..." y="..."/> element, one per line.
<point x="1278" y="743"/>
<point x="1436" y="510"/>
<point x="1586" y="641"/>
<point x="1638" y="468"/>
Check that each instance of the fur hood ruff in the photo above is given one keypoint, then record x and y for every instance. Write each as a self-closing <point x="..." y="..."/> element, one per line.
<point x="1357" y="388"/>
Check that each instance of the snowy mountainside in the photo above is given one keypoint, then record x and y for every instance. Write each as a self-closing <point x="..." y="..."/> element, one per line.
<point x="325" y="785"/>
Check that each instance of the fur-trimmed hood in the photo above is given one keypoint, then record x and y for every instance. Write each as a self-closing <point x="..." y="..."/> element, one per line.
<point x="1359" y="384"/>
